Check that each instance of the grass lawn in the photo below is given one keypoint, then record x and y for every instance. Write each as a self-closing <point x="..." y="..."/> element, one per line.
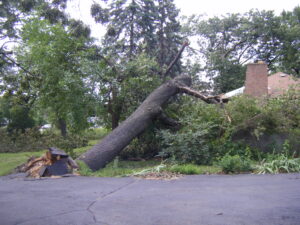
<point x="9" y="161"/>
<point x="117" y="168"/>
<point x="79" y="151"/>
<point x="125" y="168"/>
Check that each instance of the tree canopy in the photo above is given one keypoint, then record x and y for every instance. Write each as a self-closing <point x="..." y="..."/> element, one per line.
<point x="56" y="73"/>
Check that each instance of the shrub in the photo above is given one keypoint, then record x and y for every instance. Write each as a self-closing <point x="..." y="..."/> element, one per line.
<point x="280" y="165"/>
<point x="235" y="164"/>
<point x="33" y="140"/>
<point x="241" y="109"/>
<point x="188" y="145"/>
<point x="144" y="146"/>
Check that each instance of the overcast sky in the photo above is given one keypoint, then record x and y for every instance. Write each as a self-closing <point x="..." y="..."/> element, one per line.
<point x="80" y="9"/>
<point x="221" y="7"/>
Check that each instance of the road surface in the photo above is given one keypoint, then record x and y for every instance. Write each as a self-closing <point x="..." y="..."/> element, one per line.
<point x="201" y="199"/>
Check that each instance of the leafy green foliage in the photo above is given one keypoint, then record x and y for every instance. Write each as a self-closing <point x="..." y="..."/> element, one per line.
<point x="243" y="108"/>
<point x="290" y="31"/>
<point x="267" y="117"/>
<point x="188" y="146"/>
<point x="20" y="119"/>
<point x="57" y="80"/>
<point x="134" y="27"/>
<point x="142" y="38"/>
<point x="190" y="169"/>
<point x="282" y="164"/>
<point x="227" y="43"/>
<point x="209" y="132"/>
<point x="33" y="140"/>
<point x="200" y="125"/>
<point x="15" y="115"/>
<point x="235" y="164"/>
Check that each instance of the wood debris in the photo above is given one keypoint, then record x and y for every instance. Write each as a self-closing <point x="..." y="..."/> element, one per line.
<point x="53" y="163"/>
<point x="164" y="175"/>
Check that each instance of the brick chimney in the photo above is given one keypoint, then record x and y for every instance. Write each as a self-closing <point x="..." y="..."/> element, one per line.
<point x="256" y="84"/>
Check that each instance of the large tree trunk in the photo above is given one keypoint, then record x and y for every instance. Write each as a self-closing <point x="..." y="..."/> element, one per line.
<point x="119" y="138"/>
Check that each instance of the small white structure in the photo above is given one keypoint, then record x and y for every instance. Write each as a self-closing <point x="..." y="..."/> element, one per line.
<point x="45" y="127"/>
<point x="233" y="93"/>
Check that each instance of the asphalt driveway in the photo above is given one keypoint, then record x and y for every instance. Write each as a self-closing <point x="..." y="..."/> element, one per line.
<point x="202" y="199"/>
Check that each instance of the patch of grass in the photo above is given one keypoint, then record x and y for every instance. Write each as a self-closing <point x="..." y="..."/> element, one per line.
<point x="93" y="142"/>
<point x="79" y="151"/>
<point x="96" y="133"/>
<point x="118" y="168"/>
<point x="9" y="161"/>
<point x="123" y="168"/>
<point x="193" y="169"/>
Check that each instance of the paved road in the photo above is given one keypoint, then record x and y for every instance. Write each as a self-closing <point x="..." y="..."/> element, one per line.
<point x="200" y="200"/>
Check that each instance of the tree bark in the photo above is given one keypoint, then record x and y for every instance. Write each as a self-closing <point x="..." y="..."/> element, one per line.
<point x="63" y="127"/>
<point x="103" y="152"/>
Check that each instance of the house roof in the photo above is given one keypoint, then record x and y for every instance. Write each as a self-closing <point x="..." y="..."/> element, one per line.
<point x="278" y="83"/>
<point x="235" y="92"/>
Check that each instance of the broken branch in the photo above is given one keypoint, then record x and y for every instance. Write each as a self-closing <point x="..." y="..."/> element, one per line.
<point x="186" y="43"/>
<point x="192" y="92"/>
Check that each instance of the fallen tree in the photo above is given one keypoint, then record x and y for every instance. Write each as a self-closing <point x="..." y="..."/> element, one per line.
<point x="151" y="109"/>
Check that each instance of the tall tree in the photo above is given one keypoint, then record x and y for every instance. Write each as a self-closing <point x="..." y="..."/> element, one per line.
<point x="55" y="75"/>
<point x="18" y="78"/>
<point x="12" y="12"/>
<point x="168" y="36"/>
<point x="12" y="15"/>
<point x="136" y="30"/>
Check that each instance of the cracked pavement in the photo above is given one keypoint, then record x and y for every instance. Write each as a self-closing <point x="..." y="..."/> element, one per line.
<point x="201" y="199"/>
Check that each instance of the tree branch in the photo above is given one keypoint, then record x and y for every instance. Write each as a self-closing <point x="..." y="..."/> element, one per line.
<point x="234" y="47"/>
<point x="164" y="119"/>
<point x="184" y="45"/>
<point x="12" y="61"/>
<point x="207" y="99"/>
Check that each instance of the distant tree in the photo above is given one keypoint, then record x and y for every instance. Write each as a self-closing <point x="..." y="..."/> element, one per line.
<point x="228" y="43"/>
<point x="136" y="26"/>
<point x="12" y="14"/>
<point x="52" y="57"/>
<point x="289" y="36"/>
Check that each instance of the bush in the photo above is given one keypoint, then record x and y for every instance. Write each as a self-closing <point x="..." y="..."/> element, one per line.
<point x="280" y="165"/>
<point x="235" y="164"/>
<point x="33" y="140"/>
<point x="188" y="145"/>
<point x="145" y="146"/>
